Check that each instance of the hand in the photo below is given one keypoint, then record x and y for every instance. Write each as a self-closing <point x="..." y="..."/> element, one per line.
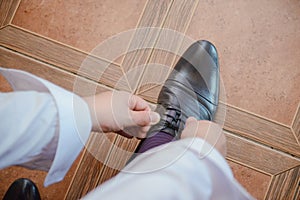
<point x="121" y="112"/>
<point x="207" y="130"/>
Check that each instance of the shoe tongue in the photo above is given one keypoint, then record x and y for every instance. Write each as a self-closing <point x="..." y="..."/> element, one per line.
<point x="168" y="99"/>
<point x="176" y="96"/>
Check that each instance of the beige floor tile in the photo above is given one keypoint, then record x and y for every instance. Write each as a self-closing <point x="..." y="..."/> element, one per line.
<point x="81" y="24"/>
<point x="258" y="43"/>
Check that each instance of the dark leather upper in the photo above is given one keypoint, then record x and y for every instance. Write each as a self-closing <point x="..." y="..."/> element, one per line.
<point x="23" y="189"/>
<point x="192" y="89"/>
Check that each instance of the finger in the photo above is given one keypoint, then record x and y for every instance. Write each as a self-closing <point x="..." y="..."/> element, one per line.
<point x="190" y="129"/>
<point x="144" y="118"/>
<point x="143" y="133"/>
<point x="138" y="104"/>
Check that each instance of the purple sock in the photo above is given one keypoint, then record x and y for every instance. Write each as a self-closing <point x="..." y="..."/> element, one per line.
<point x="148" y="143"/>
<point x="154" y="141"/>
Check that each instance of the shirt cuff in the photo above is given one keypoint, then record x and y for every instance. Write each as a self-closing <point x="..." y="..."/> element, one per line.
<point x="73" y="118"/>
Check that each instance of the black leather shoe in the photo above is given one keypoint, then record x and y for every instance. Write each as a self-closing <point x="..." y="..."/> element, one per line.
<point x="22" y="189"/>
<point x="192" y="89"/>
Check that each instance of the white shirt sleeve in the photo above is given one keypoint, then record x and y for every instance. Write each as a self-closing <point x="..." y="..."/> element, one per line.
<point x="65" y="129"/>
<point x="188" y="169"/>
<point x="28" y="129"/>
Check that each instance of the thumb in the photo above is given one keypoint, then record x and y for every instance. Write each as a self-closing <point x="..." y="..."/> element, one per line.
<point x="144" y="118"/>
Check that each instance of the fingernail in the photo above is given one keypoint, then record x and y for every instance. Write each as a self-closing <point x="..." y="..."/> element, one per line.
<point x="191" y="119"/>
<point x="154" y="117"/>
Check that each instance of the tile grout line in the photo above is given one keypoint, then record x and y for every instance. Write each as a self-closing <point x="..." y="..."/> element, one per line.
<point x="147" y="89"/>
<point x="14" y="13"/>
<point x="294" y="122"/>
<point x="295" y="115"/>
<point x="296" y="138"/>
<point x="269" y="187"/>
<point x="5" y="26"/>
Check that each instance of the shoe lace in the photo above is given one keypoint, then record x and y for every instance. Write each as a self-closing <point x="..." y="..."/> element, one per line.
<point x="172" y="118"/>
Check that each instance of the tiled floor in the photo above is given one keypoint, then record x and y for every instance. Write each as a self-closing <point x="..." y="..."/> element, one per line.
<point x="259" y="48"/>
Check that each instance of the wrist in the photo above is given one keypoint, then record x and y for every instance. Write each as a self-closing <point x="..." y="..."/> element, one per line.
<point x="90" y="101"/>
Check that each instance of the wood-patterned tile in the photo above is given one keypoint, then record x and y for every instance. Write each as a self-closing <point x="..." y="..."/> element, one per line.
<point x="285" y="185"/>
<point x="120" y="153"/>
<point x="151" y="94"/>
<point x="99" y="164"/>
<point x="69" y="81"/>
<point x="167" y="48"/>
<point x="7" y="11"/>
<point x="144" y="39"/>
<point x="257" y="156"/>
<point x="157" y="70"/>
<point x="62" y="56"/>
<point x="261" y="130"/>
<point x="92" y="165"/>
